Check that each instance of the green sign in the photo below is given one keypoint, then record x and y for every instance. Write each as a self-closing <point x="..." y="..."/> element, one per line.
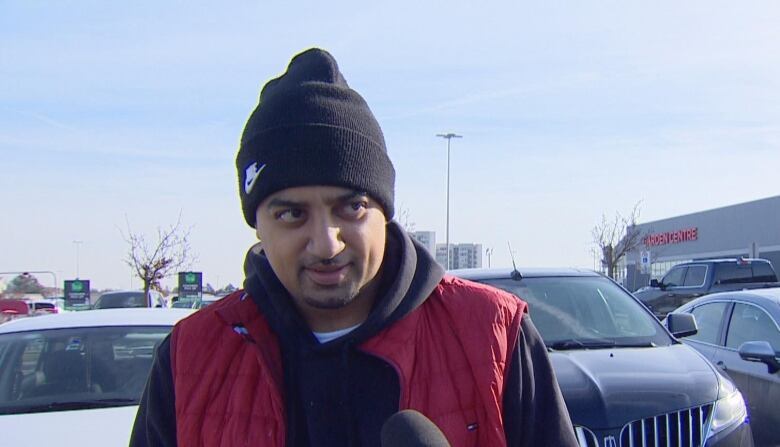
<point x="190" y="285"/>
<point x="76" y="292"/>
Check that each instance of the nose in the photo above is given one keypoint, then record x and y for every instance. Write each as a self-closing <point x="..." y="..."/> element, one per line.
<point x="325" y="241"/>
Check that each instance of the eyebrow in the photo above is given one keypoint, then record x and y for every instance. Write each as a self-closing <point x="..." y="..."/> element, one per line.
<point x="278" y="202"/>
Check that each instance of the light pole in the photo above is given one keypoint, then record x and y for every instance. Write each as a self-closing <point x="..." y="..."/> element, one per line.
<point x="77" y="244"/>
<point x="449" y="137"/>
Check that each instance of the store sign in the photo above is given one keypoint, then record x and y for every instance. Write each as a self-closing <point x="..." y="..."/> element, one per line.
<point x="76" y="292"/>
<point x="190" y="285"/>
<point x="672" y="237"/>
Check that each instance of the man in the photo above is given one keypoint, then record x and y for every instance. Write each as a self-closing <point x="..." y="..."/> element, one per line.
<point x="343" y="320"/>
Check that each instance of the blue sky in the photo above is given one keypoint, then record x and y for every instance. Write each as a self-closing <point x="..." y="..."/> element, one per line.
<point x="114" y="111"/>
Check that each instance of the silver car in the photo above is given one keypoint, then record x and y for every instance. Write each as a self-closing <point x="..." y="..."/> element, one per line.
<point x="740" y="333"/>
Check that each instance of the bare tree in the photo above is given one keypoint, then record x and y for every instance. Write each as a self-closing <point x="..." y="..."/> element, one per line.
<point x="405" y="219"/>
<point x="616" y="237"/>
<point x="153" y="261"/>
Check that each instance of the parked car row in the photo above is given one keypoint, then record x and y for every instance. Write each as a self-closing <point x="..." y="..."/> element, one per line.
<point x="736" y="304"/>
<point x="12" y="308"/>
<point x="16" y="308"/>
<point x="627" y="378"/>
<point x="689" y="280"/>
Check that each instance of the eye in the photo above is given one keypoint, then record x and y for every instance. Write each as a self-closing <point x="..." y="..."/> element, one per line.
<point x="290" y="215"/>
<point x="355" y="208"/>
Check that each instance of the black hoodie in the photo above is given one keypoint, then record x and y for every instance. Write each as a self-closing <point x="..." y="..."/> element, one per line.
<point x="336" y="394"/>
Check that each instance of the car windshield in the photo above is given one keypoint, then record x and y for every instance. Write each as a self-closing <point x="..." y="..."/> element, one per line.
<point x="77" y="368"/>
<point x="585" y="312"/>
<point x="122" y="299"/>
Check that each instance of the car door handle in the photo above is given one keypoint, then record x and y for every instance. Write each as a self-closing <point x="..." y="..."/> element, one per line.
<point x="721" y="365"/>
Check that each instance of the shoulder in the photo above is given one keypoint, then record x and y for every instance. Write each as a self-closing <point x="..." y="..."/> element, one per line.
<point x="467" y="292"/>
<point x="212" y="310"/>
<point x="208" y="319"/>
<point x="471" y="301"/>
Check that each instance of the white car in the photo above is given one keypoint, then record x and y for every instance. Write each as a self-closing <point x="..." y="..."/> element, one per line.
<point x="75" y="379"/>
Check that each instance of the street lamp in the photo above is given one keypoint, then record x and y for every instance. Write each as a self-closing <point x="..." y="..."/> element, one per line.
<point x="77" y="243"/>
<point x="449" y="137"/>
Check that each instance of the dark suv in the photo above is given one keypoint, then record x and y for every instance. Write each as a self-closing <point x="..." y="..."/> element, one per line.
<point x="626" y="380"/>
<point x="689" y="280"/>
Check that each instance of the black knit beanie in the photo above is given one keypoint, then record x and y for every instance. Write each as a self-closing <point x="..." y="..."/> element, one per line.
<point x="309" y="129"/>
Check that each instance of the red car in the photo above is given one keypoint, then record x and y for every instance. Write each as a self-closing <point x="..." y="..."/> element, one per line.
<point x="10" y="309"/>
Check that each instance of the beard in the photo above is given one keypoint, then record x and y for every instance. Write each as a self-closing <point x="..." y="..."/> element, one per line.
<point x="331" y="298"/>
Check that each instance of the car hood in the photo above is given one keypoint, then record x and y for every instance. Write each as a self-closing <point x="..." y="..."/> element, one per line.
<point x="103" y="427"/>
<point x="606" y="388"/>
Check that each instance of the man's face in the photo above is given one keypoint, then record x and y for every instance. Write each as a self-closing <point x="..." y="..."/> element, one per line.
<point x="325" y="243"/>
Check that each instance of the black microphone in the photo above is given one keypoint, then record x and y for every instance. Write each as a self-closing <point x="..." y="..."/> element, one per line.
<point x="410" y="428"/>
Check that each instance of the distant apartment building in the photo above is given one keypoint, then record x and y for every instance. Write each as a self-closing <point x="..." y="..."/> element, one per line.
<point x="426" y="238"/>
<point x="462" y="256"/>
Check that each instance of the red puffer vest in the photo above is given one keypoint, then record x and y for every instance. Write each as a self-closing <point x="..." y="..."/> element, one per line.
<point x="450" y="354"/>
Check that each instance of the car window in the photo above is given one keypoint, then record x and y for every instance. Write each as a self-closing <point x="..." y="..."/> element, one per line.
<point x="762" y="272"/>
<point x="694" y="277"/>
<point x="709" y="318"/>
<point x="751" y="323"/>
<point x="675" y="276"/>
<point x="73" y="367"/>
<point x="121" y="300"/>
<point x="584" y="308"/>
<point x="733" y="273"/>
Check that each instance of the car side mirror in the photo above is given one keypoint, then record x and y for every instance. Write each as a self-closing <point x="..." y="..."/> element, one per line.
<point x="654" y="283"/>
<point x="681" y="324"/>
<point x="762" y="352"/>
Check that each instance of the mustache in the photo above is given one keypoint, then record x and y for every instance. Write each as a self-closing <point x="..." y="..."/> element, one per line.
<point x="314" y="263"/>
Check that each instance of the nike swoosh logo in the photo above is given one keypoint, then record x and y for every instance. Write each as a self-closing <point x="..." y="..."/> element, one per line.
<point x="252" y="174"/>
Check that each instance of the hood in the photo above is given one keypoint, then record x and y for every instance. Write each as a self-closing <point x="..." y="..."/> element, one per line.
<point x="79" y="428"/>
<point x="606" y="388"/>
<point x="408" y="276"/>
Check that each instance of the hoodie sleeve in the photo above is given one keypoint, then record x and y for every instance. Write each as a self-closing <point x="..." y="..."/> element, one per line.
<point x="534" y="410"/>
<point x="155" y="422"/>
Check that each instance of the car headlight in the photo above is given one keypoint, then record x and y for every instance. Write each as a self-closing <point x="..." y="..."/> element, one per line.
<point x="729" y="409"/>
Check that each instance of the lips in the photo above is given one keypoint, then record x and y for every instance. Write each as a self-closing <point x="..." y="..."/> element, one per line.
<point x="327" y="276"/>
